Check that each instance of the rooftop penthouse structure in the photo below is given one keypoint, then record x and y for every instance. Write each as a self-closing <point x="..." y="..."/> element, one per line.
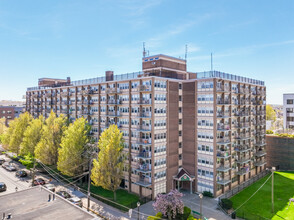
<point x="182" y="130"/>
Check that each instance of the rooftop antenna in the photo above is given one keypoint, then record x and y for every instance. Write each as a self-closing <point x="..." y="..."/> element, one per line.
<point x="186" y="52"/>
<point x="211" y="66"/>
<point x="144" y="51"/>
<point x="148" y="53"/>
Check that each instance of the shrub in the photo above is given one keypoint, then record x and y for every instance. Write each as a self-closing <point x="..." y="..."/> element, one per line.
<point x="226" y="204"/>
<point x="28" y="161"/>
<point x="269" y="132"/>
<point x="159" y="214"/>
<point x="153" y="218"/>
<point x="191" y="217"/>
<point x="185" y="215"/>
<point x="208" y="194"/>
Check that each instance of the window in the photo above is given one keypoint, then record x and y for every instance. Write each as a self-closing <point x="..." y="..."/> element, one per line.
<point x="180" y="109"/>
<point x="180" y="145"/>
<point x="180" y="86"/>
<point x="180" y="156"/>
<point x="180" y="133"/>
<point x="180" y="98"/>
<point x="289" y="101"/>
<point x="180" y="121"/>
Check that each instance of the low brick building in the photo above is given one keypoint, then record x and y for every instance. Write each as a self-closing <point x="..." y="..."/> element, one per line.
<point x="10" y="112"/>
<point x="280" y="152"/>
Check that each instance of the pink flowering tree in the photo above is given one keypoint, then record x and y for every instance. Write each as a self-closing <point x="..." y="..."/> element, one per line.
<point x="169" y="204"/>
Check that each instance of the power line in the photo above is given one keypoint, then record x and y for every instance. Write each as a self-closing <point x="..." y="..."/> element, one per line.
<point x="254" y="193"/>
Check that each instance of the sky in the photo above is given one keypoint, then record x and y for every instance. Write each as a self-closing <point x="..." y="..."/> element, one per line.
<point x="83" y="39"/>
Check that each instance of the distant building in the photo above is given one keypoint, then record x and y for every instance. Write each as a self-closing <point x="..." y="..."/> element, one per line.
<point x="288" y="106"/>
<point x="280" y="152"/>
<point x="10" y="113"/>
<point x="182" y="130"/>
<point x="12" y="103"/>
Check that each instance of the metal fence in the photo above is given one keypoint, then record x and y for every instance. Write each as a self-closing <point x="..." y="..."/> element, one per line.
<point x="242" y="186"/>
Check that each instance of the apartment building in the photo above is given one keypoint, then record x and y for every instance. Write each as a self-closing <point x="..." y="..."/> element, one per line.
<point x="288" y="111"/>
<point x="182" y="130"/>
<point x="10" y="113"/>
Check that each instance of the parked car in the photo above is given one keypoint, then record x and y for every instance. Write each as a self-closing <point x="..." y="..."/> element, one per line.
<point x="9" y="166"/>
<point x="2" y="187"/>
<point x="21" y="173"/>
<point x="64" y="194"/>
<point x="50" y="186"/>
<point x="39" y="181"/>
<point x="77" y="201"/>
<point x="2" y="161"/>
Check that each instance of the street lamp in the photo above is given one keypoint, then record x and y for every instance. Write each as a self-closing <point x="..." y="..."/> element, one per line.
<point x="201" y="196"/>
<point x="138" y="205"/>
<point x="273" y="173"/>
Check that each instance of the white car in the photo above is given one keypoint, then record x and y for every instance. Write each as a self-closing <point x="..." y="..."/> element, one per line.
<point x="76" y="200"/>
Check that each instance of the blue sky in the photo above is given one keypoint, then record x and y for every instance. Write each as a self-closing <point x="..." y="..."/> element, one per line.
<point x="82" y="39"/>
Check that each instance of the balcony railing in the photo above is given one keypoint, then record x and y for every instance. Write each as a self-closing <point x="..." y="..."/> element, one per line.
<point x="260" y="153"/>
<point x="223" y="114"/>
<point x="143" y="181"/>
<point x="223" y="102"/>
<point x="223" y="181"/>
<point x="242" y="148"/>
<point x="223" y="127"/>
<point x="223" y="141"/>
<point x="222" y="154"/>
<point x="243" y="160"/>
<point x="260" y="163"/>
<point x="144" y="88"/>
<point x="243" y="171"/>
<point x="112" y="90"/>
<point x="144" y="155"/>
<point x="144" y="168"/>
<point x="144" y="141"/>
<point x="144" y="101"/>
<point x="223" y="168"/>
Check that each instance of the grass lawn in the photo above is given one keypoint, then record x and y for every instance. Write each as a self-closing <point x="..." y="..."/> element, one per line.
<point x="260" y="204"/>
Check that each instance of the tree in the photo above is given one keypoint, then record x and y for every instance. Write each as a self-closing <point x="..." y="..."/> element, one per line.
<point x="270" y="113"/>
<point x="47" y="149"/>
<point x="18" y="131"/>
<point x="108" y="169"/>
<point x="3" y="128"/>
<point x="73" y="145"/>
<point x="169" y="204"/>
<point x="32" y="136"/>
<point x="8" y="133"/>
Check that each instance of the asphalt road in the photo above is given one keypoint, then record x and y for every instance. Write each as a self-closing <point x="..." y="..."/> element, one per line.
<point x="11" y="180"/>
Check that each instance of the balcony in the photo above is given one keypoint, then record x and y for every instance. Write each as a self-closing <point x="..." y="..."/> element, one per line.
<point x="223" y="181"/>
<point x="144" y="115"/>
<point x="222" y="114"/>
<point x="221" y="127"/>
<point x="222" y="154"/>
<point x="144" y="155"/>
<point x="144" y="141"/>
<point x="64" y="93"/>
<point x="113" y="114"/>
<point x="243" y="160"/>
<point x="144" y="102"/>
<point x="222" y="88"/>
<point x="243" y="171"/>
<point x="112" y="90"/>
<point x="87" y="92"/>
<point x="145" y="182"/>
<point x="260" y="143"/>
<point x="223" y="168"/>
<point x="144" y="128"/>
<point x="242" y="137"/>
<point x="242" y="148"/>
<point x="144" y="168"/>
<point x="223" y="102"/>
<point x="260" y="153"/>
<point x="144" y="88"/>
<point x="260" y="163"/>
<point x="223" y="141"/>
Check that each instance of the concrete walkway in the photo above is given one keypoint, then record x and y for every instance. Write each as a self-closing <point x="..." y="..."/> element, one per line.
<point x="209" y="207"/>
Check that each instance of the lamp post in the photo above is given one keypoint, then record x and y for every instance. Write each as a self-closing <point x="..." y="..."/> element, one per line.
<point x="273" y="173"/>
<point x="138" y="205"/>
<point x="201" y="196"/>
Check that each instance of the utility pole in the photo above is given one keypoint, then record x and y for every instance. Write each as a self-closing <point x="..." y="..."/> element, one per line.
<point x="89" y="184"/>
<point x="33" y="176"/>
<point x="273" y="173"/>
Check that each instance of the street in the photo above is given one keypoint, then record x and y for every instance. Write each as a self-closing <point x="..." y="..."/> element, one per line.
<point x="11" y="180"/>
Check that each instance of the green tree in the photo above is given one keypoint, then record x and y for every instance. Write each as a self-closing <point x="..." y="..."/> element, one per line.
<point x="18" y="131"/>
<point x="47" y="149"/>
<point x="8" y="133"/>
<point x="107" y="170"/>
<point x="3" y="128"/>
<point x="32" y="136"/>
<point x="270" y="113"/>
<point x="73" y="145"/>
